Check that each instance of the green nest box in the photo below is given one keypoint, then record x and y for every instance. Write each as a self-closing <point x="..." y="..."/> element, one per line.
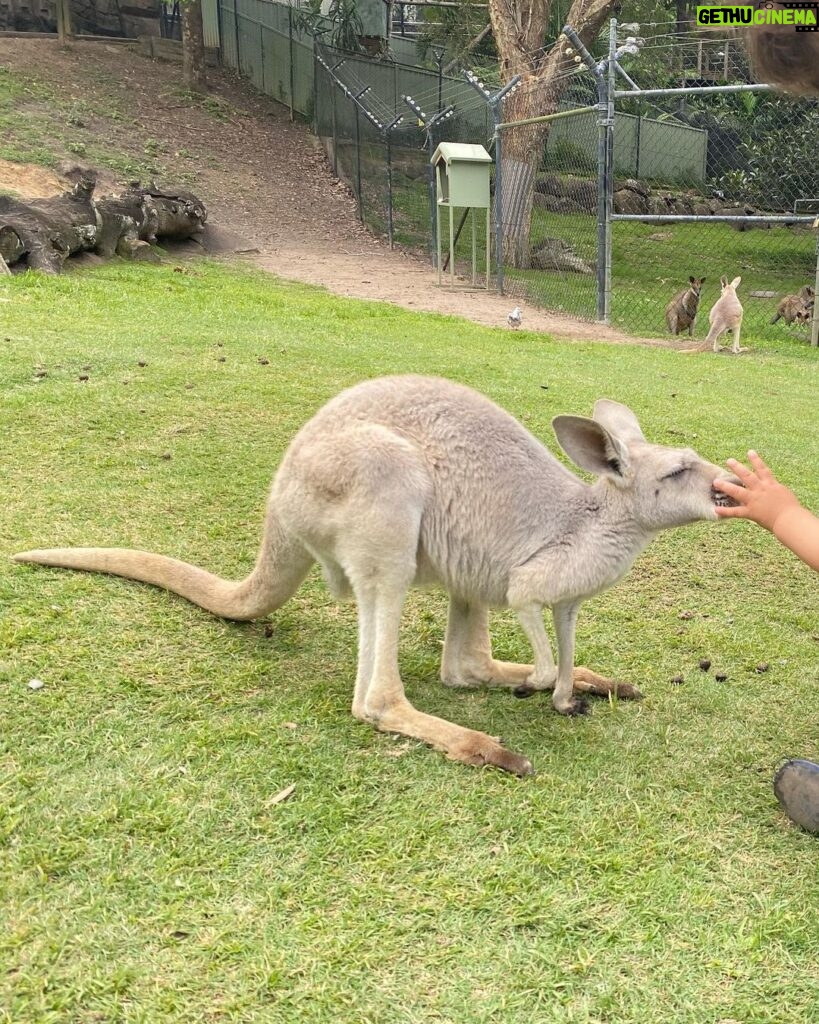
<point x="461" y="179"/>
<point x="462" y="175"/>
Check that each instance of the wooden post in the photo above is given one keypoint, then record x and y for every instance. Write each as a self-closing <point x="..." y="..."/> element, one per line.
<point x="65" y="25"/>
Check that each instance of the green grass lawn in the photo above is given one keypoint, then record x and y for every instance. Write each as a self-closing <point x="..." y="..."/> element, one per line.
<point x="644" y="874"/>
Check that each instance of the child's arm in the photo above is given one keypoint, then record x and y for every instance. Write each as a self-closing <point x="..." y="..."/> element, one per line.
<point x="764" y="500"/>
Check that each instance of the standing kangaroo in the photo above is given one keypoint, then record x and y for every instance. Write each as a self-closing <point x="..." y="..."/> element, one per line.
<point x="681" y="311"/>
<point x="404" y="480"/>
<point x="726" y="315"/>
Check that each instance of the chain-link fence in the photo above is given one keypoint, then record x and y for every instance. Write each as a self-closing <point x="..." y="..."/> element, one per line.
<point x="380" y="122"/>
<point x="660" y="166"/>
<point x="643" y="195"/>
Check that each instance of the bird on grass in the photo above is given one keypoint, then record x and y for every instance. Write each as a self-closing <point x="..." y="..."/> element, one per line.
<point x="515" y="318"/>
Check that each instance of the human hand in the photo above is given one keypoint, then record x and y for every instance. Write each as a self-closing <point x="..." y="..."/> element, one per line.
<point x="761" y="497"/>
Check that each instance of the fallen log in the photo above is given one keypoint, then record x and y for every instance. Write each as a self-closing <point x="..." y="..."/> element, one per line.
<point x="43" y="233"/>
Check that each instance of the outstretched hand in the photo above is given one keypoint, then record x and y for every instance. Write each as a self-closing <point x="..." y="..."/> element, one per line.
<point x="762" y="498"/>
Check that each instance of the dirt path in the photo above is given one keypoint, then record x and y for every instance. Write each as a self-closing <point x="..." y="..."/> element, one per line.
<point x="264" y="179"/>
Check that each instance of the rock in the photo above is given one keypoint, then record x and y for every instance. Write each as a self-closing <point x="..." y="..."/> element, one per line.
<point x="555" y="254"/>
<point x="627" y="201"/>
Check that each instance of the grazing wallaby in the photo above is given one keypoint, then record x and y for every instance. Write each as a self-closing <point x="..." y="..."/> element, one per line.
<point x="681" y="312"/>
<point x="797" y="307"/>
<point x="726" y="315"/>
<point x="405" y="480"/>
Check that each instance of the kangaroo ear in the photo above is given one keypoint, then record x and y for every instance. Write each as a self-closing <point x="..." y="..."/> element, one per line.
<point x="618" y="419"/>
<point x="723" y="282"/>
<point x="590" y="446"/>
<point x="692" y="280"/>
<point x="735" y="282"/>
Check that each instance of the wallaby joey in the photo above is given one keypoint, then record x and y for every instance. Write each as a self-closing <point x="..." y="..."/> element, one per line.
<point x="404" y="480"/>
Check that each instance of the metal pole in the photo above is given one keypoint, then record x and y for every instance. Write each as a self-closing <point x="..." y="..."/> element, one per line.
<point x="610" y="87"/>
<point x="290" y="57"/>
<point x="498" y="204"/>
<point x="358" y="164"/>
<point x="335" y="130"/>
<point x="708" y="218"/>
<point x="236" y="28"/>
<point x="602" y="155"/>
<point x="699" y="90"/>
<point x="433" y="217"/>
<point x="814" y="327"/>
<point x="544" y="118"/>
<point x="388" y="141"/>
<point x="261" y="52"/>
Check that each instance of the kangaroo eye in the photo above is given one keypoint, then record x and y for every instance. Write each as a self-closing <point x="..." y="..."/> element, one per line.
<point x="675" y="473"/>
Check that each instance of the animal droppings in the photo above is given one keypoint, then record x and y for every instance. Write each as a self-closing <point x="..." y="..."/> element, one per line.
<point x="763" y="666"/>
<point x="720" y="677"/>
<point x="705" y="664"/>
<point x="678" y="680"/>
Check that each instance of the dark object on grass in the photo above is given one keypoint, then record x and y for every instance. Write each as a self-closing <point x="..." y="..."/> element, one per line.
<point x="705" y="664"/>
<point x="43" y="233"/>
<point x="796" y="785"/>
<point x="720" y="677"/>
<point x="678" y="680"/>
<point x="763" y="666"/>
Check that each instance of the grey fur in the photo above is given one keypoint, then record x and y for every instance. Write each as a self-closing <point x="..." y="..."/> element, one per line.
<point x="404" y="480"/>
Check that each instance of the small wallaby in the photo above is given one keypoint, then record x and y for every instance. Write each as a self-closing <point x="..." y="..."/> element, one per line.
<point x="404" y="480"/>
<point x="681" y="312"/>
<point x="797" y="307"/>
<point x="726" y="315"/>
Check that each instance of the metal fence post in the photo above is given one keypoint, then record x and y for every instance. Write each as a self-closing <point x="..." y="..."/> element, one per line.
<point x="358" y="163"/>
<point x="290" y="57"/>
<point x="609" y="180"/>
<point x="498" y="205"/>
<point x="814" y="325"/>
<point x="602" y="199"/>
<point x="236" y="31"/>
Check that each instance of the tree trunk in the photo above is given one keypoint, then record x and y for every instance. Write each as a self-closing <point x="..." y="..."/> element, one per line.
<point x="193" y="46"/>
<point x="519" y="27"/>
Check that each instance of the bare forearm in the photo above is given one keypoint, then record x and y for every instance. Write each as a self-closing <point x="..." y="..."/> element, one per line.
<point x="798" y="529"/>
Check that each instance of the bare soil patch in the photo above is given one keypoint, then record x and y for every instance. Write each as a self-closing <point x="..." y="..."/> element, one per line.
<point x="264" y="178"/>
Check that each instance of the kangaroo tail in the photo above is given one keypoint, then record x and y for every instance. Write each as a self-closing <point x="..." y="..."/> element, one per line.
<point x="281" y="566"/>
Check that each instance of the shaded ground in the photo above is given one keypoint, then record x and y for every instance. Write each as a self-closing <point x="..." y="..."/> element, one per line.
<point x="264" y="179"/>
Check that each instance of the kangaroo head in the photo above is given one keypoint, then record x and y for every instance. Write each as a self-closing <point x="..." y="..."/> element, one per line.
<point x="662" y="487"/>
<point x="806" y="293"/>
<point x="729" y="287"/>
<point x="696" y="284"/>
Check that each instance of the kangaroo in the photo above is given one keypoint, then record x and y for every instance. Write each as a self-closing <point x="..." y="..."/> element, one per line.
<point x="797" y="307"/>
<point x="726" y="315"/>
<point x="404" y="480"/>
<point x="681" y="311"/>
